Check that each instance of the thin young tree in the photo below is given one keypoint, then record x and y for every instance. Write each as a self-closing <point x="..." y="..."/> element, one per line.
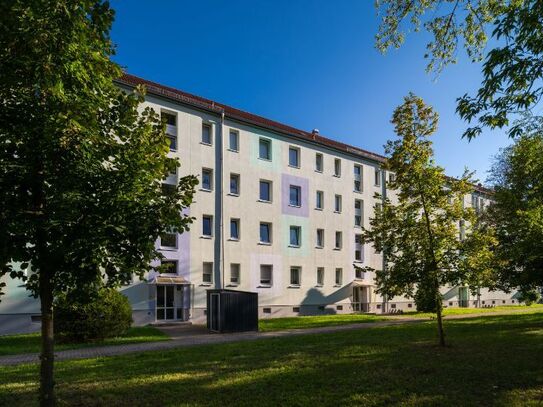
<point x="418" y="231"/>
<point x="81" y="163"/>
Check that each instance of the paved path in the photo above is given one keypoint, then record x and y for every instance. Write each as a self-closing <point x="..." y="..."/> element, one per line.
<point x="198" y="335"/>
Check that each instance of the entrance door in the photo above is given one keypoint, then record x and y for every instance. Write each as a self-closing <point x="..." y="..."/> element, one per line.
<point x="463" y="297"/>
<point x="168" y="302"/>
<point x="214" y="315"/>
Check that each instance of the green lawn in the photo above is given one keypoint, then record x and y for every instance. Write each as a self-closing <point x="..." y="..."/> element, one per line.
<point x="492" y="360"/>
<point x="277" y="324"/>
<point x="30" y="343"/>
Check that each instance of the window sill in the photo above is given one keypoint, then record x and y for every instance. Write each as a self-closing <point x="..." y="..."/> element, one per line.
<point x="319" y="247"/>
<point x="205" y="285"/>
<point x="264" y="286"/>
<point x="294" y="166"/>
<point x="294" y="246"/>
<point x="337" y="285"/>
<point x="206" y="144"/>
<point x="206" y="190"/>
<point x="264" y="201"/>
<point x="294" y="286"/>
<point x="264" y="244"/>
<point x="233" y="239"/>
<point x="265" y="159"/>
<point x="169" y="249"/>
<point x="358" y="261"/>
<point x="319" y="285"/>
<point x="319" y="171"/>
<point x="232" y="194"/>
<point x="233" y="285"/>
<point x="232" y="150"/>
<point x="337" y="248"/>
<point x="319" y="209"/>
<point x="173" y="150"/>
<point x="338" y="212"/>
<point x="336" y="176"/>
<point x="206" y="237"/>
<point x="294" y="206"/>
<point x="357" y="192"/>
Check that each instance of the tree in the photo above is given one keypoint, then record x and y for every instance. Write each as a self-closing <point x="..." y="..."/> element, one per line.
<point x="80" y="166"/>
<point x="513" y="69"/>
<point x="419" y="234"/>
<point x="517" y="211"/>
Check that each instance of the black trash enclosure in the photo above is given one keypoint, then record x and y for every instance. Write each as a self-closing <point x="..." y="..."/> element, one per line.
<point x="232" y="311"/>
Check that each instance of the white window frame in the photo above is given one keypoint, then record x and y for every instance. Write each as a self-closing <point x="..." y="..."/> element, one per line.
<point x="321" y="207"/>
<point x="338" y="200"/>
<point x="298" y="270"/>
<point x="270" y="152"/>
<point x="270" y="190"/>
<point x="337" y="167"/>
<point x="320" y="283"/>
<point x="210" y="225"/>
<point x="211" y="180"/>
<point x="270" y="233"/>
<point x="317" y="157"/>
<point x="298" y="157"/>
<point x="321" y="244"/>
<point x="339" y="234"/>
<point x="210" y="127"/>
<point x="238" y="179"/>
<point x="238" y="225"/>
<point x="238" y="266"/>
<point x="298" y="230"/>
<point x="236" y="133"/>
<point x="270" y="268"/>
<point x="204" y="273"/>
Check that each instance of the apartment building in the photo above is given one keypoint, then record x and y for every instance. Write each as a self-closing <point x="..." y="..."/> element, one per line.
<point x="279" y="211"/>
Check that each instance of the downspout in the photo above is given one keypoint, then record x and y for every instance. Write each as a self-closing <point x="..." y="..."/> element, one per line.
<point x="383" y="199"/>
<point x="218" y="246"/>
<point x="221" y="266"/>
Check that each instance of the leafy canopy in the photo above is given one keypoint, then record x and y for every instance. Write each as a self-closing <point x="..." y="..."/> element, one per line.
<point x="81" y="163"/>
<point x="513" y="68"/>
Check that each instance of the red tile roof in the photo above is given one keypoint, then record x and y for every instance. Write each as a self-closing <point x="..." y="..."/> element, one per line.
<point x="240" y="115"/>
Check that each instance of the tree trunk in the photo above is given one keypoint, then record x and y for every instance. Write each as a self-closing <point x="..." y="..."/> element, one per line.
<point x="439" y="309"/>
<point x="47" y="384"/>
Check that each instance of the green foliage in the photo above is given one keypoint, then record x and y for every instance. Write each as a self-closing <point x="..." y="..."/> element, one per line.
<point x="425" y="298"/>
<point x="530" y="297"/>
<point x="517" y="212"/>
<point x="418" y="233"/>
<point x="106" y="315"/>
<point x="513" y="69"/>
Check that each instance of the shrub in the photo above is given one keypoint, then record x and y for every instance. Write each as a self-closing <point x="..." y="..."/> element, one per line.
<point x="106" y="315"/>
<point x="529" y="297"/>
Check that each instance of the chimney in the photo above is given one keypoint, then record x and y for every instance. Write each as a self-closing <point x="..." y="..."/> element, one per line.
<point x="315" y="133"/>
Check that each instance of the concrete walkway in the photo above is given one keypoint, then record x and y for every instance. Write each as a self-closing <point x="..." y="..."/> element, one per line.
<point x="192" y="335"/>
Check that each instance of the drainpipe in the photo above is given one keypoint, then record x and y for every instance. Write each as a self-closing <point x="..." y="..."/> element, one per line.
<point x="383" y="198"/>
<point x="219" y="205"/>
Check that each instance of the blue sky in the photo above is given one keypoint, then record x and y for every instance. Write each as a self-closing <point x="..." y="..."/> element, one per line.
<point x="306" y="63"/>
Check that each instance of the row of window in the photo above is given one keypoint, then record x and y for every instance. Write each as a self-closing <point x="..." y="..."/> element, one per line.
<point x="265" y="152"/>
<point x="169" y="240"/>
<point x="266" y="274"/>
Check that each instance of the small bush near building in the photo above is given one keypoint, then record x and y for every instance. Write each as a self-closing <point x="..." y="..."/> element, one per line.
<point x="425" y="300"/>
<point x="107" y="315"/>
<point x="529" y="297"/>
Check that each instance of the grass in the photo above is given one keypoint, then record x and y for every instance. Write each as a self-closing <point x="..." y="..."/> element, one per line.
<point x="277" y="324"/>
<point x="30" y="343"/>
<point x="492" y="360"/>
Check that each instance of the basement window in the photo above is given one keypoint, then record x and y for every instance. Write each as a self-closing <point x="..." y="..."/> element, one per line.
<point x="266" y="310"/>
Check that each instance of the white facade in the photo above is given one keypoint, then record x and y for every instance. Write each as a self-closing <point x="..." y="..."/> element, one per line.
<point x="303" y="269"/>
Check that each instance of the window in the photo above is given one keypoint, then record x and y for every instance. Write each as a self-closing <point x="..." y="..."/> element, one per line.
<point x="339" y="276"/>
<point x="234" y="273"/>
<point x="295" y="276"/>
<point x="265" y="232"/>
<point x="266" y="275"/>
<point x="168" y="189"/>
<point x="168" y="118"/>
<point x="337" y="167"/>
<point x="234" y="184"/>
<point x="320" y="276"/>
<point x="168" y="240"/>
<point x="358" y="247"/>
<point x="337" y="203"/>
<point x="234" y="140"/>
<point x="295" y="232"/>
<point x="391" y="177"/>
<point x="358" y="211"/>
<point x="358" y="178"/>
<point x="264" y="149"/>
<point x="265" y="191"/>
<point x="318" y="162"/>
<point x="339" y="240"/>
<point x="169" y="266"/>
<point x="207" y="179"/>
<point x="320" y="238"/>
<point x="294" y="157"/>
<point x="207" y="225"/>
<point x="377" y="177"/>
<point x="171" y="132"/>
<point x="207" y="273"/>
<point x="234" y="229"/>
<point x="295" y="194"/>
<point x="206" y="134"/>
<point x="319" y="204"/>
